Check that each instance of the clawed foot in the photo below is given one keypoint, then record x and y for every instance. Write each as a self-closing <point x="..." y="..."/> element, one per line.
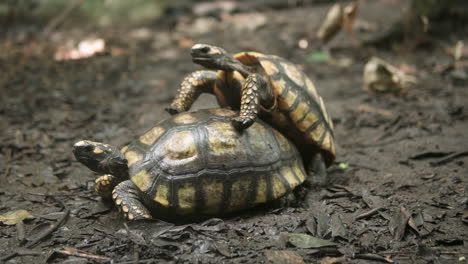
<point x="241" y="123"/>
<point x="104" y="186"/>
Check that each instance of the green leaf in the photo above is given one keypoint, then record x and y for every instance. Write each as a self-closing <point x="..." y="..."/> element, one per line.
<point x="461" y="258"/>
<point x="13" y="217"/>
<point x="319" y="56"/>
<point x="344" y="165"/>
<point x="307" y="241"/>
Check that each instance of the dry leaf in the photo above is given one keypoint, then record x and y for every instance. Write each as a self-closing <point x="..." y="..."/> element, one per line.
<point x="13" y="217"/>
<point x="370" y="109"/>
<point x="332" y="24"/>
<point x="349" y="15"/>
<point x="307" y="241"/>
<point x="381" y="77"/>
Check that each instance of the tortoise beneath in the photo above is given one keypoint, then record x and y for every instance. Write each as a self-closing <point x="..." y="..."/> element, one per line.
<point x="268" y="86"/>
<point x="194" y="164"/>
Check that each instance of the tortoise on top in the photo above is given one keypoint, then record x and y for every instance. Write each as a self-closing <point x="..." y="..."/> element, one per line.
<point x="194" y="164"/>
<point x="269" y="86"/>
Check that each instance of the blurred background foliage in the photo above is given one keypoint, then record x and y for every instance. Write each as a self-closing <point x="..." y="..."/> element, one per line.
<point x="100" y="12"/>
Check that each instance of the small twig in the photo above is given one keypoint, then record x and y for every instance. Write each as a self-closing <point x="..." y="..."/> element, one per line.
<point x="368" y="213"/>
<point x="449" y="158"/>
<point x="363" y="167"/>
<point x="51" y="195"/>
<point x="79" y="253"/>
<point x="20" y="253"/>
<point x="336" y="195"/>
<point x="430" y="154"/>
<point x="374" y="257"/>
<point x="140" y="261"/>
<point x="50" y="230"/>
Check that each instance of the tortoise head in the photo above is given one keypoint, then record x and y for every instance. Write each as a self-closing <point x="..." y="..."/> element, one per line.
<point x="101" y="158"/>
<point x="216" y="58"/>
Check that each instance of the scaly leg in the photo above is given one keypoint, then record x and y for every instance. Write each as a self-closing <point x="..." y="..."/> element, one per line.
<point x="105" y="184"/>
<point x="317" y="171"/>
<point x="254" y="90"/>
<point x="127" y="200"/>
<point x="192" y="86"/>
<point x="317" y="177"/>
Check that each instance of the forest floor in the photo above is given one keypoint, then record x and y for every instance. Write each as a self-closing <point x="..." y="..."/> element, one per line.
<point x="400" y="191"/>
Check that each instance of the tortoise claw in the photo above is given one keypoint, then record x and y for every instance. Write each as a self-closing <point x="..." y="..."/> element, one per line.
<point x="241" y="123"/>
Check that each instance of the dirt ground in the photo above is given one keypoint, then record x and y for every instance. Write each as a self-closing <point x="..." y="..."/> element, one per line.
<point x="399" y="196"/>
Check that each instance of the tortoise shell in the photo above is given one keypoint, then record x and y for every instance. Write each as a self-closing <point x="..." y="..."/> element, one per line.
<point x="199" y="163"/>
<point x="301" y="113"/>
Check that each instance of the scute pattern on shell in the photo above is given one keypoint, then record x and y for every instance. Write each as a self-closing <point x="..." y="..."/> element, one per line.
<point x="201" y="163"/>
<point x="307" y="120"/>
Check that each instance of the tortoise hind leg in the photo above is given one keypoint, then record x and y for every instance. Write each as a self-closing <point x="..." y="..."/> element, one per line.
<point x="192" y="86"/>
<point x="317" y="176"/>
<point x="255" y="92"/>
<point x="127" y="200"/>
<point x="317" y="171"/>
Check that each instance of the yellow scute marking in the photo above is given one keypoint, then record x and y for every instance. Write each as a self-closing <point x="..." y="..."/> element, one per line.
<point x="269" y="67"/>
<point x="309" y="120"/>
<point x="180" y="146"/>
<point x="224" y="140"/>
<point x="326" y="141"/>
<point x="284" y="103"/>
<point x="278" y="187"/>
<point x="213" y="190"/>
<point x="222" y="112"/>
<point x="161" y="195"/>
<point x="261" y="196"/>
<point x="185" y="119"/>
<point x="278" y="86"/>
<point x="317" y="133"/>
<point x="98" y="151"/>
<point x="151" y="136"/>
<point x="142" y="180"/>
<point x="299" y="170"/>
<point x="124" y="149"/>
<point x="239" y="191"/>
<point x="301" y="109"/>
<point x="186" y="195"/>
<point x="288" y="175"/>
<point x="132" y="157"/>
<point x="293" y="73"/>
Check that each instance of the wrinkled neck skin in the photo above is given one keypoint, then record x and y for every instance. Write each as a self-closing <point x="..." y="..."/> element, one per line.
<point x="244" y="70"/>
<point x="116" y="165"/>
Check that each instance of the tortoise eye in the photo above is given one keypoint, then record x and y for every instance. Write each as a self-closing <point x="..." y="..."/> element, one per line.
<point x="205" y="49"/>
<point x="88" y="148"/>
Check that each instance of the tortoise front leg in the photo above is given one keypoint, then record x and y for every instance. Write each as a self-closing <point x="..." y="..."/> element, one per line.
<point x="105" y="184"/>
<point x="192" y="86"/>
<point x="127" y="200"/>
<point x="255" y="91"/>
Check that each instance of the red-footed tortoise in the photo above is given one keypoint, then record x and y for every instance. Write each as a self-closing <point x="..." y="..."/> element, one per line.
<point x="268" y="86"/>
<point x="194" y="164"/>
